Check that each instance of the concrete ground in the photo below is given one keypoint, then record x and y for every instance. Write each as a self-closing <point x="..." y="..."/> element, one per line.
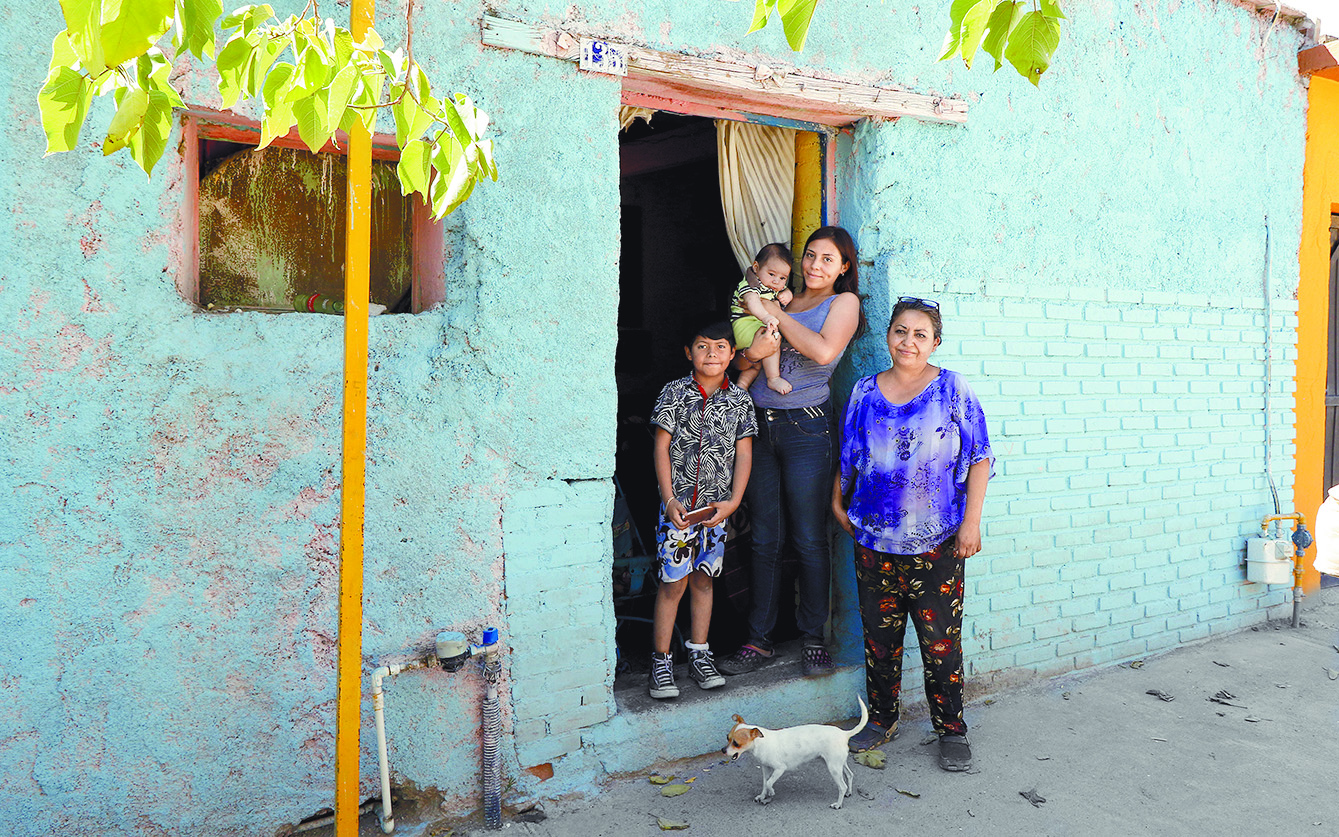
<point x="1105" y="755"/>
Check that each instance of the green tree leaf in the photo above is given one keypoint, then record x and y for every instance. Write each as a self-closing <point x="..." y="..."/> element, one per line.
<point x="278" y="118"/>
<point x="83" y="23"/>
<point x="313" y="121"/>
<point x="411" y="119"/>
<point x="414" y="167"/>
<point x="1051" y="8"/>
<point x="974" y="29"/>
<point x="761" y="9"/>
<point x="63" y="102"/>
<point x="148" y="143"/>
<point x="333" y="80"/>
<point x="262" y="57"/>
<point x="486" y="146"/>
<point x="455" y="122"/>
<point x="1031" y="45"/>
<point x="366" y="98"/>
<point x="453" y="182"/>
<point x="341" y="93"/>
<point x="1001" y="23"/>
<point x="248" y="18"/>
<point x="195" y="26"/>
<point x="62" y="53"/>
<point x="796" y="16"/>
<point x="128" y="119"/>
<point x="138" y="26"/>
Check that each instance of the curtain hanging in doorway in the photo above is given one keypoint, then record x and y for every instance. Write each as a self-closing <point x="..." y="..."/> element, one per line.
<point x="757" y="174"/>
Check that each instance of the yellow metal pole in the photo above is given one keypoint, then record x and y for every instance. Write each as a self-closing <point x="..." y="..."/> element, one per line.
<point x="357" y="267"/>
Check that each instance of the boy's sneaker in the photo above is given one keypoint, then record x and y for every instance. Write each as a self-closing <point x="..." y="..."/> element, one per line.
<point x="748" y="658"/>
<point x="702" y="668"/>
<point x="662" y="676"/>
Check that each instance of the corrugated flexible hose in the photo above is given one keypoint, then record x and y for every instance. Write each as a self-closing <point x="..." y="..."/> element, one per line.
<point x="492" y="722"/>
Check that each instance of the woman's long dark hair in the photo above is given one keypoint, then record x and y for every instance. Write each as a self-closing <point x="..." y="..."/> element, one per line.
<point x="849" y="281"/>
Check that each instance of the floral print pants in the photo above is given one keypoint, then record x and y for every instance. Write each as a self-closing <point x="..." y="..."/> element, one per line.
<point x="928" y="587"/>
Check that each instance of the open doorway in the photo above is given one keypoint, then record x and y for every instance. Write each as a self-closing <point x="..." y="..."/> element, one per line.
<point x="676" y="263"/>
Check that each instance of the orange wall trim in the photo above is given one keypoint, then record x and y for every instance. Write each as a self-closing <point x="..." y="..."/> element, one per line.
<point x="1320" y="197"/>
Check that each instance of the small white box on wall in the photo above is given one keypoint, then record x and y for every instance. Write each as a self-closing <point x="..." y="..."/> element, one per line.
<point x="1269" y="560"/>
<point x="603" y="57"/>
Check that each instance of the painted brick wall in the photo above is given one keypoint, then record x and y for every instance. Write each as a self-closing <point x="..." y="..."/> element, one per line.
<point x="559" y="560"/>
<point x="1129" y="430"/>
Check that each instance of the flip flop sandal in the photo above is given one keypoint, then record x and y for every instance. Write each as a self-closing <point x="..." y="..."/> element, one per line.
<point x="955" y="754"/>
<point x="872" y="736"/>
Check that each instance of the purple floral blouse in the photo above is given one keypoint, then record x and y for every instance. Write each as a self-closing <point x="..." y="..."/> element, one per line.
<point x="904" y="466"/>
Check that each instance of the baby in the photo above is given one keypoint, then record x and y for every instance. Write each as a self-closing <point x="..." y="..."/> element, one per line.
<point x="766" y="278"/>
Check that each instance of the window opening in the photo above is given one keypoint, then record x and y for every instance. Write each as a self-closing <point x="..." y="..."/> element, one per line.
<point x="675" y="263"/>
<point x="268" y="227"/>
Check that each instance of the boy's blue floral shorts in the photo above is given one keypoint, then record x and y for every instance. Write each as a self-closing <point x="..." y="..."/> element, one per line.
<point x="683" y="550"/>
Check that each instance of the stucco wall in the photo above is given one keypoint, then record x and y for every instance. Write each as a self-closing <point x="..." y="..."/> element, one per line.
<point x="169" y="478"/>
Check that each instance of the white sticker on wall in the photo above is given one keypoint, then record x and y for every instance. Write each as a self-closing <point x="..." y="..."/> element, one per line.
<point x="603" y="57"/>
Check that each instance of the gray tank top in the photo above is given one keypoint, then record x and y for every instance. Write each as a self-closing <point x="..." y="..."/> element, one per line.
<point x="808" y="379"/>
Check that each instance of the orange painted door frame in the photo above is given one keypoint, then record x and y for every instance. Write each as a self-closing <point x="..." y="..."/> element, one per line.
<point x="1320" y="199"/>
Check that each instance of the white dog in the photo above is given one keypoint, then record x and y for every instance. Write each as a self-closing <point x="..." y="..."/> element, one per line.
<point x="779" y="750"/>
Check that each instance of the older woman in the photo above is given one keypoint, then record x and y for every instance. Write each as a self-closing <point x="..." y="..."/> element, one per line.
<point x="794" y="452"/>
<point x="914" y="465"/>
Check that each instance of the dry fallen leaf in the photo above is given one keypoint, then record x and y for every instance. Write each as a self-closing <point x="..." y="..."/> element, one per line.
<point x="871" y="758"/>
<point x="670" y="825"/>
<point x="1032" y="796"/>
<point x="911" y="794"/>
<point x="673" y="790"/>
<point x="690" y="780"/>
<point x="1136" y="664"/>
<point x="657" y="779"/>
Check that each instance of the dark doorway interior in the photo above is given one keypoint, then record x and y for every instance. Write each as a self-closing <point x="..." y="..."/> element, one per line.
<point x="675" y="264"/>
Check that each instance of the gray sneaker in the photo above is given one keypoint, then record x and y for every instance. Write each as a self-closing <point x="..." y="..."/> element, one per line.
<point x="662" y="676"/>
<point x="702" y="668"/>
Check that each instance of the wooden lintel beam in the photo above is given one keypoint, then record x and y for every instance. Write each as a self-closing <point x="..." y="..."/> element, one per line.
<point x="1317" y="60"/>
<point x="817" y="98"/>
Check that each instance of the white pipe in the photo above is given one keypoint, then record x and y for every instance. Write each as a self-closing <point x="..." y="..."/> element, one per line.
<point x="379" y="712"/>
<point x="1269" y="374"/>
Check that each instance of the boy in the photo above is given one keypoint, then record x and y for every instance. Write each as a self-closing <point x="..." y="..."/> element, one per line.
<point x="703" y="453"/>
<point x="766" y="278"/>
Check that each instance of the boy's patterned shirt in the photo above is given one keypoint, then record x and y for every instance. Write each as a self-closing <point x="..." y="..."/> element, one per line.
<point x="703" y="432"/>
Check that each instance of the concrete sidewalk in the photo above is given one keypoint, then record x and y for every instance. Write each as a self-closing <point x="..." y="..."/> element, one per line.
<point x="1107" y="757"/>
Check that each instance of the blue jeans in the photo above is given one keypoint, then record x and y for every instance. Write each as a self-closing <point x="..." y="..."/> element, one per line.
<point x="791" y="488"/>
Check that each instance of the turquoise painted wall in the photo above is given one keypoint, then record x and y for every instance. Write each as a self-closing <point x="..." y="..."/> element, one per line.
<point x="169" y="478"/>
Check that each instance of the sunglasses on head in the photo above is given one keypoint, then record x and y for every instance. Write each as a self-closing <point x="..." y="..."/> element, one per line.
<point x="915" y="300"/>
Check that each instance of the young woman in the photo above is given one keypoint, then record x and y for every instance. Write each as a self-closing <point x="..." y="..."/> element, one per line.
<point x="794" y="453"/>
<point x="915" y="460"/>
